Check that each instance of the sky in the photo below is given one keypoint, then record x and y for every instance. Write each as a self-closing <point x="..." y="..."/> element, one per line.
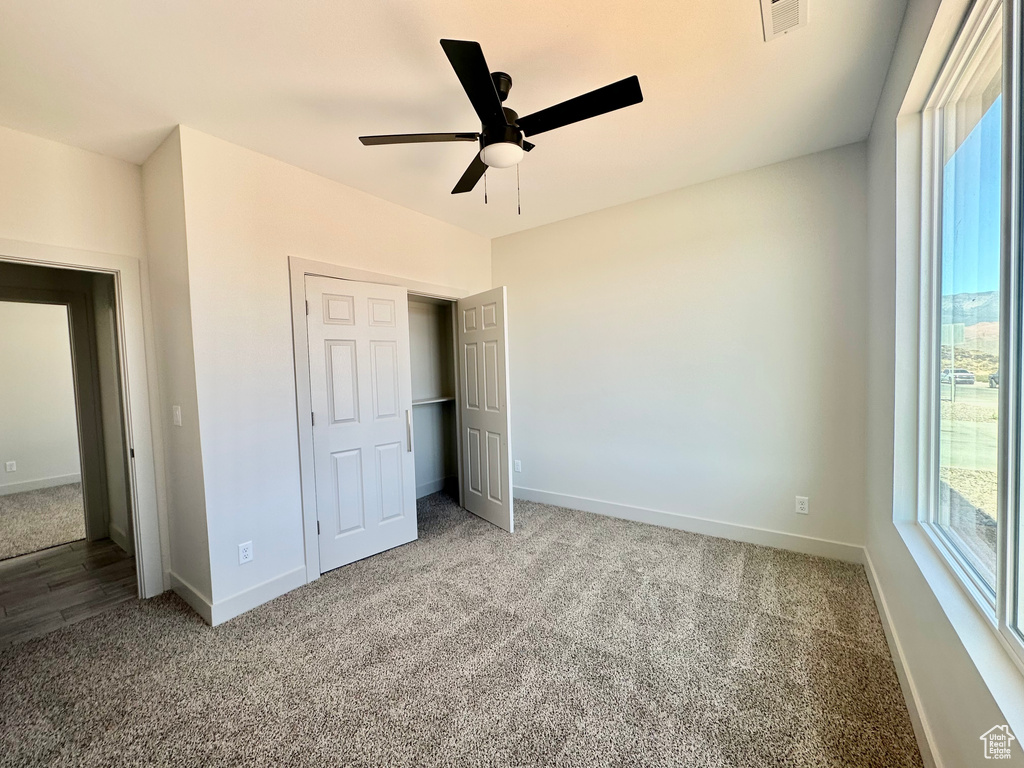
<point x="970" y="210"/>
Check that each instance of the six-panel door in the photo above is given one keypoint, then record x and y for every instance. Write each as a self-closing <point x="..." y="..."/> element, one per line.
<point x="361" y="388"/>
<point x="484" y="406"/>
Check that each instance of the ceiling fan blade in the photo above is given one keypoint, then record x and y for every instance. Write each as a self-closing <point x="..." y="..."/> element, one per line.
<point x="527" y="146"/>
<point x="417" y="138"/>
<point x="472" y="175"/>
<point x="615" y="96"/>
<point x="468" y="61"/>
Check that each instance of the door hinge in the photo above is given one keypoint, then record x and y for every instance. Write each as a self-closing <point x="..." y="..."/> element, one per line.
<point x="312" y="418"/>
<point x="307" y="307"/>
<point x="131" y="453"/>
<point x="317" y="527"/>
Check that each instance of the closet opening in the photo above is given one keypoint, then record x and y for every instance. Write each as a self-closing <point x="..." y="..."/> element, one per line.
<point x="432" y="345"/>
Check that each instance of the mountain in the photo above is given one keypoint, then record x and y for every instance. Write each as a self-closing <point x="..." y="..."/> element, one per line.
<point x="971" y="308"/>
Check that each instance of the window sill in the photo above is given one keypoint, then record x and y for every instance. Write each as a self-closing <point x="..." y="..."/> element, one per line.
<point x="970" y="582"/>
<point x="994" y="661"/>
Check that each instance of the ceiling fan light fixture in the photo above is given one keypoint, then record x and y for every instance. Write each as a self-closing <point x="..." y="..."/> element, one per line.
<point x="501" y="129"/>
<point x="501" y="154"/>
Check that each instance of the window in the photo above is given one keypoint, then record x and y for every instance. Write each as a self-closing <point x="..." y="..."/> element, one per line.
<point x="968" y="151"/>
<point x="970" y="366"/>
<point x="1011" y="604"/>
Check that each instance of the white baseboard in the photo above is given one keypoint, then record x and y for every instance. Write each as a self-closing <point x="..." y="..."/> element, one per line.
<point x="921" y="728"/>
<point x="808" y="545"/>
<point x="433" y="486"/>
<point x="224" y="610"/>
<point x="191" y="595"/>
<point x="42" y="482"/>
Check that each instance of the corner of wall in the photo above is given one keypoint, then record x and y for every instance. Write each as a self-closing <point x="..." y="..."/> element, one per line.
<point x="167" y="245"/>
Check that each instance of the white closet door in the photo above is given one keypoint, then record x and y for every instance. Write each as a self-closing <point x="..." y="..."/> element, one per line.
<point x="361" y="386"/>
<point x="483" y="402"/>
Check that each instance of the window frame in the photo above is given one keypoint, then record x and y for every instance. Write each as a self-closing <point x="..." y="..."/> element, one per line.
<point x="1010" y="567"/>
<point x="999" y="603"/>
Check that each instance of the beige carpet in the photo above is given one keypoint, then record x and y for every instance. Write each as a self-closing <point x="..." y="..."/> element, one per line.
<point x="36" y="520"/>
<point x="579" y="641"/>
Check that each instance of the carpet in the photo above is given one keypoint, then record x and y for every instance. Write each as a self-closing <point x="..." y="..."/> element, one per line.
<point x="34" y="520"/>
<point x="579" y="641"/>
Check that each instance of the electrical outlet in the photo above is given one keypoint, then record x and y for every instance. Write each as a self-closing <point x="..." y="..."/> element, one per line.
<point x="519" y="466"/>
<point x="244" y="552"/>
<point x="12" y="466"/>
<point x="803" y="507"/>
<point x="176" y="415"/>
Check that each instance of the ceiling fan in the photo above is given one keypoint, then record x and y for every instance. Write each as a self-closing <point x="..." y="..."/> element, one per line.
<point x="501" y="129"/>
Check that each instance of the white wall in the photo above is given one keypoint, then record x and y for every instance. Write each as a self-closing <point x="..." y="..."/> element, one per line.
<point x="54" y="194"/>
<point x="953" y="699"/>
<point x="700" y="352"/>
<point x="38" y="422"/>
<point x="176" y="376"/>
<point x="245" y="214"/>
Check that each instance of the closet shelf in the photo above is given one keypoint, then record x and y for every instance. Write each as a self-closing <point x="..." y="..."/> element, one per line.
<point x="429" y="400"/>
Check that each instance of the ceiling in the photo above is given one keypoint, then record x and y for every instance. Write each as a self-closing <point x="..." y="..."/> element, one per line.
<point x="299" y="80"/>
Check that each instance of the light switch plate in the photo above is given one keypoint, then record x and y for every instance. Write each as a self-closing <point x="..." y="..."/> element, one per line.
<point x="519" y="466"/>
<point x="176" y="415"/>
<point x="12" y="466"/>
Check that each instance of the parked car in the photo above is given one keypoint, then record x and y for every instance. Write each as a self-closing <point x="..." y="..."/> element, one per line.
<point x="993" y="380"/>
<point x="957" y="376"/>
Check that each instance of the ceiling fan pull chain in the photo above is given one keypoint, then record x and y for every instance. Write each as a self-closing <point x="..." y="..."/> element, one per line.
<point x="519" y="197"/>
<point x="485" y="189"/>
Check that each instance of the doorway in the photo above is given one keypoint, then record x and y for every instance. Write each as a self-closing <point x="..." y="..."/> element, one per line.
<point x="402" y="391"/>
<point x="67" y="540"/>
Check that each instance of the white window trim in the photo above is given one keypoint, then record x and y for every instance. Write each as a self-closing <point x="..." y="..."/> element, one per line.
<point x="1011" y="569"/>
<point x="996" y="607"/>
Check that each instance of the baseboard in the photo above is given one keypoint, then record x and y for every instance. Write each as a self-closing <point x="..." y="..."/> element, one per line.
<point x="35" y="485"/>
<point x="225" y="610"/>
<point x="433" y="486"/>
<point x="808" y="545"/>
<point x="922" y="731"/>
<point x="191" y="595"/>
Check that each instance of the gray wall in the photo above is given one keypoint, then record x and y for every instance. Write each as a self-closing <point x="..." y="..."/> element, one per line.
<point x="433" y="376"/>
<point x="112" y="413"/>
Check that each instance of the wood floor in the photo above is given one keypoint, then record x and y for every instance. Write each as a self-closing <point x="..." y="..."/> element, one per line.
<point x="46" y="590"/>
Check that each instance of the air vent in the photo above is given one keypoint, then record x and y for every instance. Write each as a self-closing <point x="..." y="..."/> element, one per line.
<point x="782" y="16"/>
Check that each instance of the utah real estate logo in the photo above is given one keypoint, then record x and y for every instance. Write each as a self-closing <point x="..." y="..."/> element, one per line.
<point x="998" y="742"/>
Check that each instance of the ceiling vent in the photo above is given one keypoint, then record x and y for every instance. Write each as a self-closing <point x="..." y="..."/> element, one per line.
<point x="782" y="16"/>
